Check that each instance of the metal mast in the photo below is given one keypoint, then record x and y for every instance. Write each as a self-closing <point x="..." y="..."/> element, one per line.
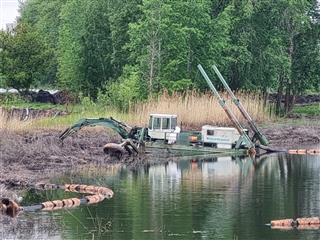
<point x="232" y="117"/>
<point x="257" y="134"/>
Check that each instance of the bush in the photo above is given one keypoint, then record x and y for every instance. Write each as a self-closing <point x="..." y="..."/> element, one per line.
<point x="181" y="85"/>
<point x="126" y="91"/>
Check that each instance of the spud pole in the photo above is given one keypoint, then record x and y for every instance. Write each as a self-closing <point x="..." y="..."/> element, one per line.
<point x="258" y="135"/>
<point x="227" y="110"/>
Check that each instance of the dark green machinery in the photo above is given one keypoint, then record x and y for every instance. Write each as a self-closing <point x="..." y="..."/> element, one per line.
<point x="258" y="136"/>
<point x="136" y="139"/>
<point x="133" y="137"/>
<point x="163" y="132"/>
<point x="136" y="134"/>
<point x="124" y="130"/>
<point x="244" y="137"/>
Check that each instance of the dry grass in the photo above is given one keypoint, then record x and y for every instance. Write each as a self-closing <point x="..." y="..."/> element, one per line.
<point x="193" y="109"/>
<point x="9" y="123"/>
<point x="196" y="109"/>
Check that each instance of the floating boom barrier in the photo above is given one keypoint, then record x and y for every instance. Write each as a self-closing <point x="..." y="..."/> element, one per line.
<point x="304" y="151"/>
<point x="313" y="151"/>
<point x="299" y="223"/>
<point x="12" y="209"/>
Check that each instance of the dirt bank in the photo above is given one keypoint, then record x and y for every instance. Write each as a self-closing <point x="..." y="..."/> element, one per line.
<point x="30" y="157"/>
<point x="292" y="136"/>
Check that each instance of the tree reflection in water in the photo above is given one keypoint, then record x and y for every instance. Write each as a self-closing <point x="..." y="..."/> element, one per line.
<point x="212" y="198"/>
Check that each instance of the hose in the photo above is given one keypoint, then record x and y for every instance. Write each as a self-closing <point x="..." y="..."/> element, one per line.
<point x="98" y="194"/>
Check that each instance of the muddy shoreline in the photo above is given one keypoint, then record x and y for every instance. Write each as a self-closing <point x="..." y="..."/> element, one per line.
<point x="32" y="157"/>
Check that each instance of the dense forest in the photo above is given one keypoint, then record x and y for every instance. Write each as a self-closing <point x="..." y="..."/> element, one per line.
<point x="127" y="50"/>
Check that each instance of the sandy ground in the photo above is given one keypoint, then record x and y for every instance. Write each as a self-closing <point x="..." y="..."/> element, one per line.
<point x="30" y="157"/>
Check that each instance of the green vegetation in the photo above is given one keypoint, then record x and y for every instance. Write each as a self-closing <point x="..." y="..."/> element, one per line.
<point x="14" y="101"/>
<point x="311" y="110"/>
<point x="23" y="57"/>
<point x="126" y="51"/>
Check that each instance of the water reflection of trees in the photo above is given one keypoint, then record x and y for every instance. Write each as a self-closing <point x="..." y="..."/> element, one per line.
<point x="283" y="186"/>
<point x="212" y="197"/>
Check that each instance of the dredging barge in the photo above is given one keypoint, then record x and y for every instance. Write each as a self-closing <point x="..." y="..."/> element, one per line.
<point x="164" y="134"/>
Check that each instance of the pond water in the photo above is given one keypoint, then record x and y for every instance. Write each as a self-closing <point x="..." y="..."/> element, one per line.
<point x="213" y="198"/>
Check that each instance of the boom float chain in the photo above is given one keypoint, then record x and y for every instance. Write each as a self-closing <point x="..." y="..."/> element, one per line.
<point x="304" y="151"/>
<point x="10" y="208"/>
<point x="299" y="223"/>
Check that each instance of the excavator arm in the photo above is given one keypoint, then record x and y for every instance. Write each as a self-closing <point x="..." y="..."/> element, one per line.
<point x="112" y="123"/>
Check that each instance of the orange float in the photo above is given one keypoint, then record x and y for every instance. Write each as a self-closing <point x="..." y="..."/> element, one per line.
<point x="98" y="195"/>
<point x="304" y="151"/>
<point x="282" y="222"/>
<point x="299" y="223"/>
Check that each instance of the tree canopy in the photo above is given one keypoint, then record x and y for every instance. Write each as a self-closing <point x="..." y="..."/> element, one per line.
<point x="23" y="57"/>
<point x="116" y="47"/>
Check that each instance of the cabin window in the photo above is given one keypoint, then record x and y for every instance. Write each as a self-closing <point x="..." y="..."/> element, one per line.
<point x="173" y="123"/>
<point x="210" y="132"/>
<point x="150" y="123"/>
<point x="156" y="123"/>
<point x="165" y="123"/>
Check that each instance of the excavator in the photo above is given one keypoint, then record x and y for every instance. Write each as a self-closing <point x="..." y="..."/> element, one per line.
<point x="133" y="137"/>
<point x="164" y="133"/>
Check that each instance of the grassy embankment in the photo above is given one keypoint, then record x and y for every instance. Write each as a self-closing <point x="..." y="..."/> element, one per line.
<point x="307" y="110"/>
<point x="193" y="110"/>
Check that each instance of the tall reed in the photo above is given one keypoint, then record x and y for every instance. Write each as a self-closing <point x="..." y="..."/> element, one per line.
<point x="195" y="109"/>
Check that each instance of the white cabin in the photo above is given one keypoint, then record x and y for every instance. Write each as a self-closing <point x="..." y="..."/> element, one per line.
<point x="222" y="137"/>
<point x="160" y="125"/>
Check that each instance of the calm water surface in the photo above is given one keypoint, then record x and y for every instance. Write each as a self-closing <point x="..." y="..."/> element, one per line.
<point x="214" y="198"/>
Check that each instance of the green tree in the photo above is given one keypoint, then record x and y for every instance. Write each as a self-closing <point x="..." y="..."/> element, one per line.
<point x="169" y="40"/>
<point x="265" y="45"/>
<point x="97" y="48"/>
<point x="70" y="49"/>
<point x="85" y="47"/>
<point x="43" y="17"/>
<point x="146" y="37"/>
<point x="238" y="51"/>
<point x="306" y="56"/>
<point x="191" y="44"/>
<point x="293" y="21"/>
<point x="22" y="57"/>
<point x="121" y="14"/>
<point x="127" y="90"/>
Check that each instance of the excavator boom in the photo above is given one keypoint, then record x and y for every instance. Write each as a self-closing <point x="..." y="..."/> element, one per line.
<point x="116" y="125"/>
